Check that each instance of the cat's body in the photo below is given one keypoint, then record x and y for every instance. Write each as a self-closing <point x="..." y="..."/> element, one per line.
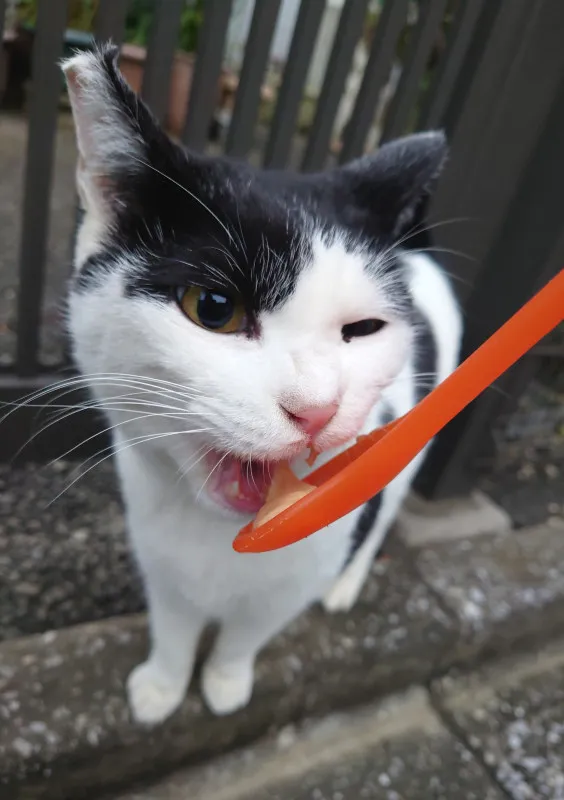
<point x="331" y="331"/>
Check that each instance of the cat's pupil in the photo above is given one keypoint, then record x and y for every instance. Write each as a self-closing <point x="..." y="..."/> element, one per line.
<point x="214" y="310"/>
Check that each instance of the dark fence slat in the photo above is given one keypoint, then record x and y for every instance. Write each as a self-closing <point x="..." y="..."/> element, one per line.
<point x="424" y="37"/>
<point x="390" y="24"/>
<point x="160" y="55"/>
<point x="283" y="125"/>
<point x="494" y="138"/>
<point x="448" y="70"/>
<point x="45" y="94"/>
<point x="486" y="85"/>
<point x="351" y="24"/>
<point x="110" y="21"/>
<point x="207" y="70"/>
<point x="527" y="250"/>
<point x="2" y="22"/>
<point x="241" y="129"/>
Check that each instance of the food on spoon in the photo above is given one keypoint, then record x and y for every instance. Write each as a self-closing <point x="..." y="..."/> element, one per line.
<point x="284" y="491"/>
<point x="312" y="458"/>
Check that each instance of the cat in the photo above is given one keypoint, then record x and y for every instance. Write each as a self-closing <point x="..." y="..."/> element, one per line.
<point x="225" y="319"/>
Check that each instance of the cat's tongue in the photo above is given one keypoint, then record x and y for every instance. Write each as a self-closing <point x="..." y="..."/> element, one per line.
<point x="241" y="486"/>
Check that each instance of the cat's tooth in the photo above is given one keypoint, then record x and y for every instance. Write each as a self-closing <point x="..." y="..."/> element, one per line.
<point x="232" y="490"/>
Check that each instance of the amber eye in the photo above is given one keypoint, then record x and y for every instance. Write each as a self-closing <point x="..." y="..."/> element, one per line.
<point x="211" y="310"/>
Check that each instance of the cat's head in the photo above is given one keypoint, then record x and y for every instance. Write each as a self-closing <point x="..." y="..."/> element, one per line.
<point x="227" y="310"/>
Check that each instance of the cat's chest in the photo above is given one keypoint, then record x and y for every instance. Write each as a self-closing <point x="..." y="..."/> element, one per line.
<point x="191" y="548"/>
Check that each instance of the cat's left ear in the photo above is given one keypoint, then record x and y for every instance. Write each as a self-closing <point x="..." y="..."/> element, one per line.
<point x="116" y="133"/>
<point x="391" y="184"/>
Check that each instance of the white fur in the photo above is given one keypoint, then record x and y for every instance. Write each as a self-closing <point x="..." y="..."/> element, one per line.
<point x="181" y="538"/>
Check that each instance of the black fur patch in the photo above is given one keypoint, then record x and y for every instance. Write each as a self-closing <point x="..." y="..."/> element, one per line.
<point x="425" y="361"/>
<point x="426" y="355"/>
<point x="364" y="526"/>
<point x="184" y="218"/>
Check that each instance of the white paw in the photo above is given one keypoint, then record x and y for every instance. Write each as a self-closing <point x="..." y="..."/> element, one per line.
<point x="152" y="695"/>
<point x="227" y="688"/>
<point x="344" y="593"/>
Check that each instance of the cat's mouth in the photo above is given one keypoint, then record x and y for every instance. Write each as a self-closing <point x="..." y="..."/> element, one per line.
<point x="238" y="485"/>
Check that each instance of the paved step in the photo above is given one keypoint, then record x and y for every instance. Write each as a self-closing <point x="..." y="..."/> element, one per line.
<point x="511" y="714"/>
<point x="494" y="733"/>
<point x="62" y="703"/>
<point x="397" y="750"/>
<point x="497" y="732"/>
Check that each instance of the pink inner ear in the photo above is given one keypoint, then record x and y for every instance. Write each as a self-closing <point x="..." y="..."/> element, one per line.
<point x="72" y="79"/>
<point x="72" y="76"/>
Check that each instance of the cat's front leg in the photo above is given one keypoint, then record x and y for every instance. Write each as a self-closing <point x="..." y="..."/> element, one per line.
<point x="157" y="687"/>
<point x="228" y="675"/>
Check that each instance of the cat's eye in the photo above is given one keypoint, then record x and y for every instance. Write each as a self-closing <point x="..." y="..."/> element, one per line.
<point x="364" y="327"/>
<point x="212" y="310"/>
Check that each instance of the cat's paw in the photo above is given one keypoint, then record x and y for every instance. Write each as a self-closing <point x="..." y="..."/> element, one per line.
<point x="344" y="593"/>
<point x="153" y="696"/>
<point x="228" y="687"/>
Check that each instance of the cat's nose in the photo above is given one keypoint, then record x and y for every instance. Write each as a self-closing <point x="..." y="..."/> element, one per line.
<point x="314" y="419"/>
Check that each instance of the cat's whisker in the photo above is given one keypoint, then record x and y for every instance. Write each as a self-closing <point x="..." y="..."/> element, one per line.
<point x="86" y="380"/>
<point x="225" y="252"/>
<point x="250" y="473"/>
<point x="221" y="460"/>
<point x="232" y="261"/>
<point x="386" y="256"/>
<point x="449" y="250"/>
<point x="71" y="410"/>
<point x="189" y="193"/>
<point x="106" y="430"/>
<point x="72" y="385"/>
<point x="190" y="463"/>
<point x="426" y="227"/>
<point x="241" y="235"/>
<point x="139" y="381"/>
<point x="125" y="446"/>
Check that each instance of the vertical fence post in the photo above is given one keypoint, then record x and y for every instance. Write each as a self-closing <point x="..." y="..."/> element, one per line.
<point x="2" y="22"/>
<point x="527" y="251"/>
<point x="240" y="134"/>
<point x="110" y="21"/>
<point x="351" y="24"/>
<point x="45" y="93"/>
<point x="424" y="37"/>
<point x="392" y="20"/>
<point x="207" y="71"/>
<point x="301" y="51"/>
<point x="458" y="45"/>
<point x="160" y="55"/>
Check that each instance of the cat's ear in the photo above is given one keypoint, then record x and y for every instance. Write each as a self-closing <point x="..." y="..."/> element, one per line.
<point x="114" y="129"/>
<point x="392" y="184"/>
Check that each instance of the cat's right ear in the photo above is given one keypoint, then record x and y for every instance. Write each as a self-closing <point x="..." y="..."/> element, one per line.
<point x="114" y="129"/>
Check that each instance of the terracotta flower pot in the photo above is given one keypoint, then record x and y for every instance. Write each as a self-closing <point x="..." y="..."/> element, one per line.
<point x="132" y="64"/>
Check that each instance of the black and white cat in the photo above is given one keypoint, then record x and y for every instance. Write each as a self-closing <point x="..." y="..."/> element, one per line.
<point x="226" y="319"/>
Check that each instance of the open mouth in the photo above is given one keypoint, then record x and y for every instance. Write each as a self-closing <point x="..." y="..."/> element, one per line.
<point x="239" y="485"/>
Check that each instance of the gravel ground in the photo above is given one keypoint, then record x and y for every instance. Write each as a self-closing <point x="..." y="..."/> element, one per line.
<point x="67" y="562"/>
<point x="526" y="474"/>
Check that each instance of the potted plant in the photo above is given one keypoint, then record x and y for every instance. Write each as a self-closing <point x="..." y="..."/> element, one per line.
<point x="79" y="35"/>
<point x="18" y="43"/>
<point x="134" y="55"/>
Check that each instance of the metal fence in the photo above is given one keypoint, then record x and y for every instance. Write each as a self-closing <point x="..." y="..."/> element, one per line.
<point x="496" y="87"/>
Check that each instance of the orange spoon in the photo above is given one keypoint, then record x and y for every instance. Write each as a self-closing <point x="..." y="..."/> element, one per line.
<point x="353" y="477"/>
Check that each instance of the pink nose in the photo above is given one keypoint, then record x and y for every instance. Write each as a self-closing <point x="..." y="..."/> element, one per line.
<point x="312" y="420"/>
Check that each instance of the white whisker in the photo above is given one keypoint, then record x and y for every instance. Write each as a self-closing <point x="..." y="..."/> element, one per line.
<point x="189" y="193"/>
